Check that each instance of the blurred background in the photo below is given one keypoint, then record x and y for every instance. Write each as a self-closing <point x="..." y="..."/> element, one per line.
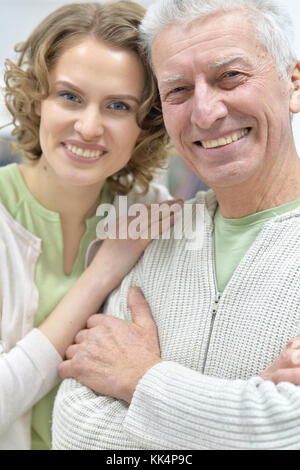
<point x="17" y="20"/>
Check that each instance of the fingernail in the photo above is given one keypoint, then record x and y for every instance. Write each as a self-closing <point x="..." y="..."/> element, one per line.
<point x="135" y="290"/>
<point x="296" y="344"/>
<point x="296" y="357"/>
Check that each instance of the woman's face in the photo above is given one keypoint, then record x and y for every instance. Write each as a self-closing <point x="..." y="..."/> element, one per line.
<point x="88" y="126"/>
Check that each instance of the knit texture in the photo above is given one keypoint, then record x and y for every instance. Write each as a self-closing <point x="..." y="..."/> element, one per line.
<point x="207" y="393"/>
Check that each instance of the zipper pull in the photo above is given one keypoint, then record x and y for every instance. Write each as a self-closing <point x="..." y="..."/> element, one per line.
<point x="216" y="303"/>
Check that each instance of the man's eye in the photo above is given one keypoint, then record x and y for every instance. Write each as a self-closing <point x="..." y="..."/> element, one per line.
<point x="178" y="89"/>
<point x="70" y="97"/>
<point x="119" y="106"/>
<point x="230" y="74"/>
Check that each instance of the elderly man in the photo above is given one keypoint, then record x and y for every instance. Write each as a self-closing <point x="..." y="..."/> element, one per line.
<point x="228" y="82"/>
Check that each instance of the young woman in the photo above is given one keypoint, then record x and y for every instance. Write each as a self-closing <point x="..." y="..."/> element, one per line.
<point x="86" y="116"/>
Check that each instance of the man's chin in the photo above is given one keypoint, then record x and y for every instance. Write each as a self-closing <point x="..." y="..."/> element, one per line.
<point x="223" y="177"/>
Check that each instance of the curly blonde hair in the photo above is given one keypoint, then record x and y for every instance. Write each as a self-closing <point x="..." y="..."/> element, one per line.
<point x="114" y="23"/>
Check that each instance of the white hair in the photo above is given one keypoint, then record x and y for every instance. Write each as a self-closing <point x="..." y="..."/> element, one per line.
<point x="272" y="23"/>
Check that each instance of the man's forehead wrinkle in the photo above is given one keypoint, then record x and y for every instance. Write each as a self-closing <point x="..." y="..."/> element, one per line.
<point x="205" y="42"/>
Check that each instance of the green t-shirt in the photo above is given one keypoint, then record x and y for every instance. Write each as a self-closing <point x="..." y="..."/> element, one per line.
<point x="233" y="238"/>
<point x="50" y="278"/>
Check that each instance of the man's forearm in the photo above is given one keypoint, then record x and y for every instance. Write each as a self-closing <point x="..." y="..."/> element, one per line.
<point x="179" y="408"/>
<point x="85" y="420"/>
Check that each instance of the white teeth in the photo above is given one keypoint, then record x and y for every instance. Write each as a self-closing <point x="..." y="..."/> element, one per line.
<point x="84" y="153"/>
<point x="210" y="144"/>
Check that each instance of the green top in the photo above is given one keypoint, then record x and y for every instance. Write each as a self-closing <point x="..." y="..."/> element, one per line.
<point x="50" y="278"/>
<point x="233" y="238"/>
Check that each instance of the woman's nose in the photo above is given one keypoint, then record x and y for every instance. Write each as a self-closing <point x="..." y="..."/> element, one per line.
<point x="90" y="124"/>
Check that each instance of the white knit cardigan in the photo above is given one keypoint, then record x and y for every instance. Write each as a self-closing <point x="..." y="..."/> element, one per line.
<point x="206" y="394"/>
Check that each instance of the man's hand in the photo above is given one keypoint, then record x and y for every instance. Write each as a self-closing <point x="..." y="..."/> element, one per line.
<point x="112" y="355"/>
<point x="286" y="368"/>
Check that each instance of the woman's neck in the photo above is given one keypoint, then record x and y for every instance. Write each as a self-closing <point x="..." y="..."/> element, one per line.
<point x="73" y="202"/>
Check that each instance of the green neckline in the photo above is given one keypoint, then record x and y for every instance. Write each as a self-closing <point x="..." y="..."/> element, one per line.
<point x="104" y="195"/>
<point x="258" y="217"/>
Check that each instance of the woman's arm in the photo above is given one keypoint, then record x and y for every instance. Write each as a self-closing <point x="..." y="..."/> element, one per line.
<point x="113" y="260"/>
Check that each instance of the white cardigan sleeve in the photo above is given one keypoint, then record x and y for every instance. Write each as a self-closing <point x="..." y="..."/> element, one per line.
<point x="176" y="408"/>
<point x="27" y="373"/>
<point x="187" y="410"/>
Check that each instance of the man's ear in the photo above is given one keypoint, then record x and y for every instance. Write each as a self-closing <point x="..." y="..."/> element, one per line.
<point x="37" y="108"/>
<point x="295" y="88"/>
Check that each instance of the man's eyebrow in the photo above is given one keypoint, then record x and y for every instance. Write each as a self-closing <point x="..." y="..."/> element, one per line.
<point x="217" y="64"/>
<point x="173" y="79"/>
<point x="228" y="60"/>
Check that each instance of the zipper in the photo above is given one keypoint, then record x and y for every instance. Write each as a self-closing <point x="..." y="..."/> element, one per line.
<point x="218" y="296"/>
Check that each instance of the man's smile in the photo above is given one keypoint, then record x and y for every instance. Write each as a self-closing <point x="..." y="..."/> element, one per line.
<point x="224" y="140"/>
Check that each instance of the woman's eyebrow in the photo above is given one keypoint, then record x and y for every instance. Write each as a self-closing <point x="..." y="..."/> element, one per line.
<point x="121" y="96"/>
<point x="67" y="84"/>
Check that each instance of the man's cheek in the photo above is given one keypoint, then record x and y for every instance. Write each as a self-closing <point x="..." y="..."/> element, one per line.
<point x="172" y="123"/>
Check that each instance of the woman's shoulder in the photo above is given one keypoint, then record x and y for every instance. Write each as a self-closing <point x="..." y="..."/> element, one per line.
<point x="9" y="186"/>
<point x="8" y="171"/>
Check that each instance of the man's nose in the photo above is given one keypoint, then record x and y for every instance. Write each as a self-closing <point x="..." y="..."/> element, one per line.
<point x="208" y="106"/>
<point x="90" y="124"/>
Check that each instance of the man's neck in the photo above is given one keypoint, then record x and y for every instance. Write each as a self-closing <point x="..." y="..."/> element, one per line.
<point x="281" y="186"/>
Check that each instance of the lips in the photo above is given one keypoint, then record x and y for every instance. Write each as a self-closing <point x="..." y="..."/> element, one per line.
<point x="224" y="140"/>
<point x="89" y="151"/>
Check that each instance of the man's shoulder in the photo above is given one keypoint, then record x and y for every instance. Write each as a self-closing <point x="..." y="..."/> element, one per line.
<point x="208" y="198"/>
<point x="156" y="193"/>
<point x="188" y="231"/>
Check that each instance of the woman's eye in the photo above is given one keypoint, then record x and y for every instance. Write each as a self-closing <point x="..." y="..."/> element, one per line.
<point x="68" y="96"/>
<point x="119" y="106"/>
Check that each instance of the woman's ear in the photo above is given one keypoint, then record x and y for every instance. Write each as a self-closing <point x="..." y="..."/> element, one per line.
<point x="295" y="88"/>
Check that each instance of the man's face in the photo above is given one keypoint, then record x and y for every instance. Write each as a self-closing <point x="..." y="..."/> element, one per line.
<point x="225" y="106"/>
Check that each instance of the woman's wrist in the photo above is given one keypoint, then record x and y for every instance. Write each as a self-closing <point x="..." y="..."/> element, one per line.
<point x="97" y="282"/>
